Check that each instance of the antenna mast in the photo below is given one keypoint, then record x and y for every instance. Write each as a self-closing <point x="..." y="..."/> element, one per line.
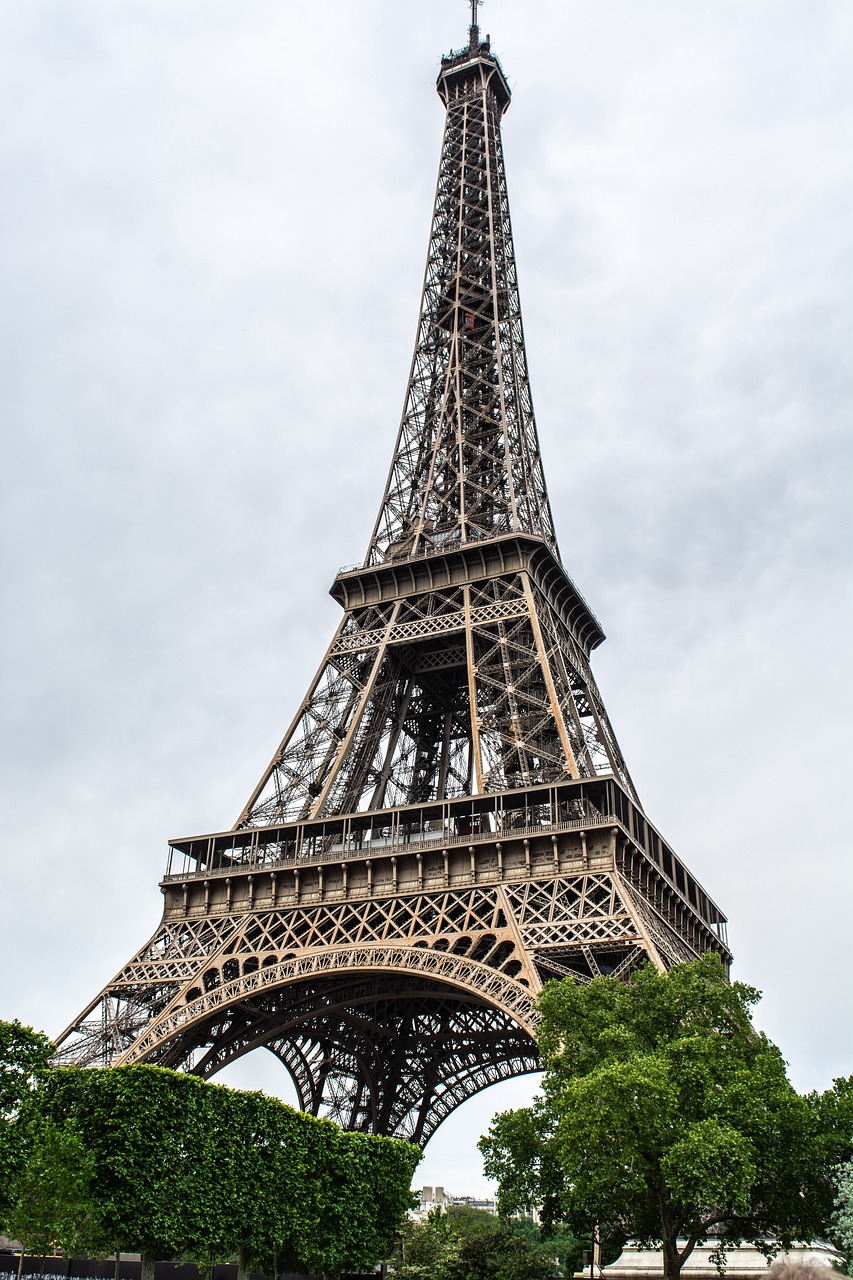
<point x="474" y="29"/>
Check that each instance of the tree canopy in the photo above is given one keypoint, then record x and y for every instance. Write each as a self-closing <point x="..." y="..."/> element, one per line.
<point x="665" y="1116"/>
<point x="24" y="1061"/>
<point x="462" y="1243"/>
<point x="50" y="1202"/>
<point x="142" y="1159"/>
<point x="189" y="1169"/>
<point x="842" y="1222"/>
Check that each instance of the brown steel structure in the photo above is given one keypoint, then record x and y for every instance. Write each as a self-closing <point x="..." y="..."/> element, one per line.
<point x="448" y="821"/>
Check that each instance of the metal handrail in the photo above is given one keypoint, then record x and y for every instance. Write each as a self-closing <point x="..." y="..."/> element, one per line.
<point x="387" y="848"/>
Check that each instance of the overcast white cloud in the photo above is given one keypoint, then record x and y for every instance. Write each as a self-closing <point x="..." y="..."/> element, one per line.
<point x="214" y="219"/>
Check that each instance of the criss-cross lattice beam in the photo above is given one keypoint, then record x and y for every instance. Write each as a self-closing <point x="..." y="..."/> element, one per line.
<point x="467" y="463"/>
<point x="483" y="688"/>
<point x="371" y="1054"/>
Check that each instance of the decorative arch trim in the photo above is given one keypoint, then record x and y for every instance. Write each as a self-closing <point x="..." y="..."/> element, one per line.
<point x="476" y="979"/>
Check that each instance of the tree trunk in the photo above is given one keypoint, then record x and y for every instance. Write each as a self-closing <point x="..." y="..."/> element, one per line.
<point x="117" y="1271"/>
<point x="146" y="1268"/>
<point x="672" y="1259"/>
<point x="242" y="1265"/>
<point x="21" y="1263"/>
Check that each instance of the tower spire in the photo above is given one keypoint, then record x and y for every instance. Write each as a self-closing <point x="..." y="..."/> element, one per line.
<point x="466" y="463"/>
<point x="474" y="29"/>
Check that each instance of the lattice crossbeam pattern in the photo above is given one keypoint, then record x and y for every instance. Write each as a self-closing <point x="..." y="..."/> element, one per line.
<point x="398" y="980"/>
<point x="467" y="463"/>
<point x="480" y="688"/>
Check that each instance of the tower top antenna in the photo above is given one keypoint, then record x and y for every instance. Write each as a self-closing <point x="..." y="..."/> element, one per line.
<point x="474" y="29"/>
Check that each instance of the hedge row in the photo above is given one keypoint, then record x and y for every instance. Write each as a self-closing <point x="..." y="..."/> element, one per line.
<point x="144" y="1160"/>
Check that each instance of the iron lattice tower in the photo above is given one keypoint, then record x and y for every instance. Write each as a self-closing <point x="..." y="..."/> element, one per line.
<point x="448" y="821"/>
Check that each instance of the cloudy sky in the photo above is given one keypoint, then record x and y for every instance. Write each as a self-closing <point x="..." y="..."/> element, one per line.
<point x="214" y="220"/>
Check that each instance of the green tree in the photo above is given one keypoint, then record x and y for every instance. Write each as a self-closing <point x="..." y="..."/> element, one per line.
<point x="500" y="1249"/>
<point x="557" y="1241"/>
<point x="469" y="1244"/>
<point x="376" y="1183"/>
<point x="843" y="1217"/>
<point x="51" y="1201"/>
<point x="358" y="1197"/>
<point x="665" y="1116"/>
<point x="832" y="1155"/>
<point x="24" y="1061"/>
<point x="522" y="1159"/>
<point x="151" y="1135"/>
<point x="183" y="1168"/>
<point x="430" y="1250"/>
<point x="262" y="1162"/>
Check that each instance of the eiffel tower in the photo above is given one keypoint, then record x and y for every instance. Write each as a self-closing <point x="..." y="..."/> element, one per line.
<point x="448" y="822"/>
